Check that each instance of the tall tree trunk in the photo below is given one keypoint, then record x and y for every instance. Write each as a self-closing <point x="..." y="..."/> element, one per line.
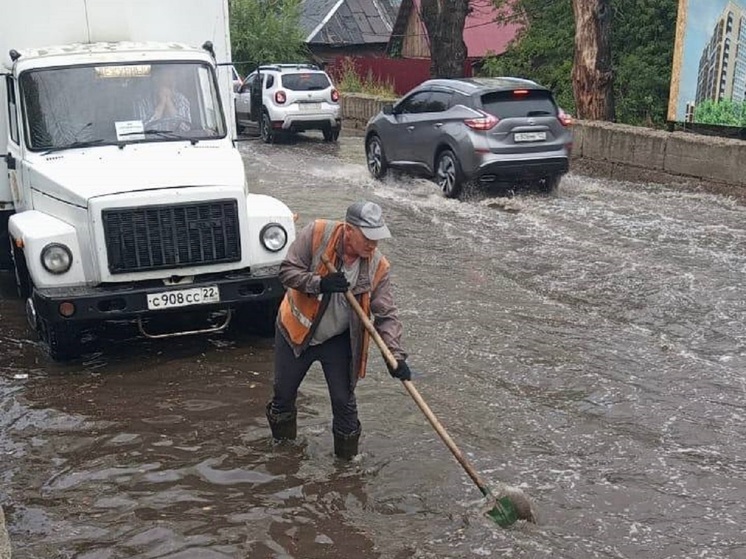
<point x="592" y="76"/>
<point x="444" y="21"/>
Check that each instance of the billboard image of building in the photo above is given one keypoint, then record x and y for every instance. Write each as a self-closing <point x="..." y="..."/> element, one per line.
<point x="708" y="84"/>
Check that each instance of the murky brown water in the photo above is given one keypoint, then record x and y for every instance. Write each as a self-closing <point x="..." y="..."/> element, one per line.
<point x="588" y="348"/>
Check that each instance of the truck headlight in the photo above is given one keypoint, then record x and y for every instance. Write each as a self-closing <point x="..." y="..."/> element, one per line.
<point x="56" y="258"/>
<point x="273" y="237"/>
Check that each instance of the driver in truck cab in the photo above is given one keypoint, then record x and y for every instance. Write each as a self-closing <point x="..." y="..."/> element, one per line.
<point x="165" y="108"/>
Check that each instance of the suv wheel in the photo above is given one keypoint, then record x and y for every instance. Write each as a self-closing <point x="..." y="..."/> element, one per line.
<point x="330" y="134"/>
<point x="375" y="157"/>
<point x="549" y="185"/>
<point x="265" y="129"/>
<point x="448" y="174"/>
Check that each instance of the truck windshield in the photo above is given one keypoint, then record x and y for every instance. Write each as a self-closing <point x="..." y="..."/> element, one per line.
<point x="112" y="104"/>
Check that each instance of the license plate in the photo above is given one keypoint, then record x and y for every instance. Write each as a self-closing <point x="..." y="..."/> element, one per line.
<point x="183" y="297"/>
<point x="307" y="107"/>
<point x="530" y="136"/>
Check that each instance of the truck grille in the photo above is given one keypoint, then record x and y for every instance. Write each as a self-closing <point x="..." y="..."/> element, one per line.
<point x="171" y="236"/>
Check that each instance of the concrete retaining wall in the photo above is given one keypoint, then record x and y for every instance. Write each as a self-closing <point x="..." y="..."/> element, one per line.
<point x="665" y="154"/>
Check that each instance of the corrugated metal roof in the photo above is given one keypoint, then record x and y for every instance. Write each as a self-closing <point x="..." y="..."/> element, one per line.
<point x="313" y="13"/>
<point x="349" y="22"/>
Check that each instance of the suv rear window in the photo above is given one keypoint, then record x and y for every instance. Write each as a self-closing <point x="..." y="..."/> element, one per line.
<point x="508" y="104"/>
<point x="306" y="81"/>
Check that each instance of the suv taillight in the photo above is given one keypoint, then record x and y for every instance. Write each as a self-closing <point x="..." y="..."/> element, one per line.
<point x="335" y="95"/>
<point x="485" y="122"/>
<point x="564" y="118"/>
<point x="280" y="97"/>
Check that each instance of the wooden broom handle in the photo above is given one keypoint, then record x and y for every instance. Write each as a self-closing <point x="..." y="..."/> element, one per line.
<point x="391" y="360"/>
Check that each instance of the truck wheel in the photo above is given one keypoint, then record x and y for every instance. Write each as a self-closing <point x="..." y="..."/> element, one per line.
<point x="258" y="318"/>
<point x="62" y="340"/>
<point x="6" y="256"/>
<point x="23" y="280"/>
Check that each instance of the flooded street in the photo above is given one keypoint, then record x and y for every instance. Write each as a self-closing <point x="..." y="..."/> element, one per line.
<point x="588" y="347"/>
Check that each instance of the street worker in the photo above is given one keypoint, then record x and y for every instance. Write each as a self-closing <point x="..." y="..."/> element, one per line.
<point x="316" y="323"/>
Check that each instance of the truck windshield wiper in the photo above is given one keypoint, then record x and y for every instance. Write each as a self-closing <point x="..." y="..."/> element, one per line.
<point x="73" y="145"/>
<point x="171" y="134"/>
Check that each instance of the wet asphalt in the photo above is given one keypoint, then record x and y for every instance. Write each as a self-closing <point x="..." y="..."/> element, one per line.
<point x="586" y="347"/>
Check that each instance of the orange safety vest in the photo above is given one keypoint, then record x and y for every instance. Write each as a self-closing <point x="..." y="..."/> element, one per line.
<point x="299" y="311"/>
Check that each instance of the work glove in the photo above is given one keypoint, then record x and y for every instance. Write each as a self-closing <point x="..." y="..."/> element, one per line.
<point x="402" y="371"/>
<point x="334" y="283"/>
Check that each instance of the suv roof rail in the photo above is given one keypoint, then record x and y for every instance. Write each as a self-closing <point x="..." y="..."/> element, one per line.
<point x="279" y="67"/>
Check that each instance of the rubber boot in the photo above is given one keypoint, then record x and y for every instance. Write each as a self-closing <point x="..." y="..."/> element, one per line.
<point x="283" y="425"/>
<point x="345" y="446"/>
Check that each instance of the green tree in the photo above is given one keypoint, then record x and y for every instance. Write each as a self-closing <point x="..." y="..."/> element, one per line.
<point x="266" y="31"/>
<point x="642" y="38"/>
<point x="542" y="50"/>
<point x="724" y="113"/>
<point x="643" y="34"/>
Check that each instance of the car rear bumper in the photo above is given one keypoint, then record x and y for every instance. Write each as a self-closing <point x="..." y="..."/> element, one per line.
<point x="299" y="122"/>
<point x="520" y="169"/>
<point x="130" y="301"/>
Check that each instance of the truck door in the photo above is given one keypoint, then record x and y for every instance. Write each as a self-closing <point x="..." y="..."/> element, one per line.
<point x="6" y="200"/>
<point x="9" y="133"/>
<point x="13" y="157"/>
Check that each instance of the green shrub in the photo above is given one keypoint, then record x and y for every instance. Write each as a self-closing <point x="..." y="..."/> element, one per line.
<point x="348" y="80"/>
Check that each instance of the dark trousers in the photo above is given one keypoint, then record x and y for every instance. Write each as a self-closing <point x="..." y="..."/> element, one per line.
<point x="335" y="356"/>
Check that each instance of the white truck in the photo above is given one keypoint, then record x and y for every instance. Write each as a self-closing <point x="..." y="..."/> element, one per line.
<point x="123" y="196"/>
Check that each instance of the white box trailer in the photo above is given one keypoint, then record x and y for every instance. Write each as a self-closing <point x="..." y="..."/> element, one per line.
<point x="122" y="194"/>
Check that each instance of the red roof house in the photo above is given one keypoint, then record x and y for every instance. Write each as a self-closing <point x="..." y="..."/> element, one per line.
<point x="482" y="34"/>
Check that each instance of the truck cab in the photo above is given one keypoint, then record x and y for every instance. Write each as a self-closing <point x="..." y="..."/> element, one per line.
<point x="123" y="196"/>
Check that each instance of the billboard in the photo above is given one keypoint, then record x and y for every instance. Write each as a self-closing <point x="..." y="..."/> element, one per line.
<point x="708" y="81"/>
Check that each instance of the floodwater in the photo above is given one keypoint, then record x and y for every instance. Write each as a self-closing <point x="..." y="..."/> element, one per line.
<point x="587" y="347"/>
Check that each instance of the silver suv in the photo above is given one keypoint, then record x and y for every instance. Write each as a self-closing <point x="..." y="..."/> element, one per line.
<point x="473" y="130"/>
<point x="289" y="98"/>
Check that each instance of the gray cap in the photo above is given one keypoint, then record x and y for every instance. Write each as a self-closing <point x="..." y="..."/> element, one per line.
<point x="368" y="216"/>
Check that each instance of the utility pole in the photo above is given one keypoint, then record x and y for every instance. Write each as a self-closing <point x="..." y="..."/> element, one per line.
<point x="592" y="75"/>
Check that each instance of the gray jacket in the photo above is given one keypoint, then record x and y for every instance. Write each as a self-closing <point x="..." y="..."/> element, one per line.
<point x="297" y="272"/>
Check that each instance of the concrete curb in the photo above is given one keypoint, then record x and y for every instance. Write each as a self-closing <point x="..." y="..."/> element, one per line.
<point x="681" y="155"/>
<point x="4" y="538"/>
